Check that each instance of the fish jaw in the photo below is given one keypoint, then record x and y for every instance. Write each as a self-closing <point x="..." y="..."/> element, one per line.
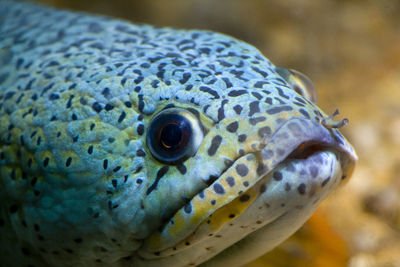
<point x="291" y="173"/>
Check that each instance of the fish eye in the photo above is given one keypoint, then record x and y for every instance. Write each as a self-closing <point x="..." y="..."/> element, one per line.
<point x="174" y="135"/>
<point x="299" y="83"/>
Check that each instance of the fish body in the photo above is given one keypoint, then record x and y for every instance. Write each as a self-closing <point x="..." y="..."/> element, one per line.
<point x="132" y="145"/>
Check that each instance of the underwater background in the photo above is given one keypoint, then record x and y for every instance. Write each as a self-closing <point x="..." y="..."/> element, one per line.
<point x="351" y="51"/>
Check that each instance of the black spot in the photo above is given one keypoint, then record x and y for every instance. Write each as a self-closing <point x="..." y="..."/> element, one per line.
<point x="263" y="73"/>
<point x="305" y="113"/>
<point x="242" y="169"/>
<point x="254" y="121"/>
<point x="232" y="127"/>
<point x="325" y="181"/>
<point x="313" y="171"/>
<point x="215" y="143"/>
<point x="116" y="169"/>
<point x="33" y="134"/>
<point x="111" y="140"/>
<point x="106" y="92"/>
<point x="242" y="138"/>
<point x="221" y="113"/>
<point x="227" y="82"/>
<point x="140" y="153"/>
<point x="275" y="110"/>
<point x="75" y="139"/>
<point x="13" y="209"/>
<point x="254" y="108"/>
<point x="68" y="162"/>
<point x="213" y="201"/>
<point x="108" y="107"/>
<point x="9" y="95"/>
<point x="54" y="96"/>
<point x="209" y="91"/>
<point x="302" y="189"/>
<point x="260" y="84"/>
<point x="280" y="91"/>
<point x="238" y="109"/>
<point x="94" y="27"/>
<point x="78" y="240"/>
<point x="257" y="95"/>
<point x="261" y="169"/>
<point x="219" y="189"/>
<point x="122" y="117"/>
<point x="188" y="208"/>
<point x="235" y="93"/>
<point x="96" y="107"/>
<point x="161" y="172"/>
<point x="231" y="216"/>
<point x="83" y="101"/>
<point x="181" y="168"/>
<point x="264" y="132"/>
<point x="105" y="163"/>
<point x="114" y="183"/>
<point x="46" y="162"/>
<point x="185" y="77"/>
<point x="267" y="154"/>
<point x="231" y="181"/>
<point x="244" y="198"/>
<point x="155" y="83"/>
<point x="277" y="176"/>
<point x="69" y="102"/>
<point x="74" y="117"/>
<point x="201" y="194"/>
<point x="90" y="150"/>
<point x="92" y="126"/>
<point x="246" y="183"/>
<point x="140" y="129"/>
<point x="138" y="169"/>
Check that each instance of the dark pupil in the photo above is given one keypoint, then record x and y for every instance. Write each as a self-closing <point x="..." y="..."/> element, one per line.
<point x="171" y="136"/>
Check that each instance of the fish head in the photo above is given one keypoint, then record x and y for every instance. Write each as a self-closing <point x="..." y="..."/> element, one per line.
<point x="264" y="157"/>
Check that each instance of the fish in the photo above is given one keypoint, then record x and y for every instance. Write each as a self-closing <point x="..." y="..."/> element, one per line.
<point x="127" y="144"/>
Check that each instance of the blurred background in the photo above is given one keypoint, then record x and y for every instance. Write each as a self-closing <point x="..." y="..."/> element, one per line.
<point x="351" y="51"/>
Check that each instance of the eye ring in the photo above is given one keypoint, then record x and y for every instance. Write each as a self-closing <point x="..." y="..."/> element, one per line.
<point x="299" y="83"/>
<point x="174" y="135"/>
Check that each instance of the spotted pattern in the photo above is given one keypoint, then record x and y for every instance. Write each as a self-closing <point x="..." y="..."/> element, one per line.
<point x="78" y="184"/>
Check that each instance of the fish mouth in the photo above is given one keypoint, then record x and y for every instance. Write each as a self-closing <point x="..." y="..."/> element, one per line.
<point x="294" y="141"/>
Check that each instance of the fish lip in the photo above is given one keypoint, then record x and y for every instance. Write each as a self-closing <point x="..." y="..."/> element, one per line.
<point x="299" y="135"/>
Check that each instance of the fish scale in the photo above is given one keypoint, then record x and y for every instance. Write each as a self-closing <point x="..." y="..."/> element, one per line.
<point x="88" y="110"/>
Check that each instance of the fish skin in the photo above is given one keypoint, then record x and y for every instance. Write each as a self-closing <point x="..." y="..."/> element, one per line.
<point x="78" y="183"/>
